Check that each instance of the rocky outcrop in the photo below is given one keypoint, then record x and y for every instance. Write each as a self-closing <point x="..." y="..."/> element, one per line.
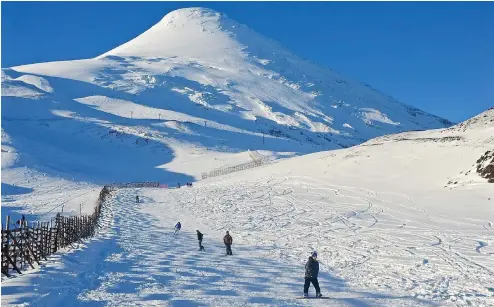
<point x="485" y="166"/>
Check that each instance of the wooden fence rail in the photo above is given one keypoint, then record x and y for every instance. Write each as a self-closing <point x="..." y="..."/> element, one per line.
<point x="235" y="168"/>
<point x="29" y="243"/>
<point x="147" y="184"/>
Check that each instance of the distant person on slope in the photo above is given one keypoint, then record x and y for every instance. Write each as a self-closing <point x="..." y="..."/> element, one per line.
<point x="137" y="198"/>
<point x="228" y="240"/>
<point x="177" y="228"/>
<point x="199" y="237"/>
<point x="311" y="272"/>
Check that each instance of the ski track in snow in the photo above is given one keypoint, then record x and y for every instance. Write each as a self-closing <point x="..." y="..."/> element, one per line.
<point x="136" y="260"/>
<point x="353" y="230"/>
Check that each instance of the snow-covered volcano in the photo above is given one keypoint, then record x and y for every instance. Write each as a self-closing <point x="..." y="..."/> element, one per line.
<point x="404" y="219"/>
<point x="195" y="92"/>
<point x="199" y="61"/>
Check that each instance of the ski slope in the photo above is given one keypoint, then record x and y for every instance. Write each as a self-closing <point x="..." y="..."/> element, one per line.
<point x="396" y="222"/>
<point x="399" y="219"/>
<point x="136" y="260"/>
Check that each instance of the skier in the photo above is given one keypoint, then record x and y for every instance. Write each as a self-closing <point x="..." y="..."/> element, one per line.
<point x="228" y="240"/>
<point x="137" y="198"/>
<point x="199" y="237"/>
<point x="177" y="228"/>
<point x="311" y="271"/>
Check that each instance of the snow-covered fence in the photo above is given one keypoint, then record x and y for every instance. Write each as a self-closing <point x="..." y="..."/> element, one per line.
<point x="134" y="185"/>
<point x="24" y="245"/>
<point x="235" y="168"/>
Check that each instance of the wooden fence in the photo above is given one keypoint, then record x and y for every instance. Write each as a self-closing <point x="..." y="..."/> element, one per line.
<point x="146" y="184"/>
<point x="25" y="245"/>
<point x="235" y="168"/>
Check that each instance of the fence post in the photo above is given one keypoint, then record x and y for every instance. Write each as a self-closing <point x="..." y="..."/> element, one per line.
<point x="57" y="235"/>
<point x="23" y="255"/>
<point x="44" y="240"/>
<point x="6" y="251"/>
<point x="30" y="244"/>
<point x="5" y="247"/>
<point x="48" y="238"/>
<point x="21" y="244"/>
<point x="65" y="231"/>
<point x="52" y="240"/>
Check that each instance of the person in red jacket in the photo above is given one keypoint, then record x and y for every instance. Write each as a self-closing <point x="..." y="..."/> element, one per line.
<point x="228" y="240"/>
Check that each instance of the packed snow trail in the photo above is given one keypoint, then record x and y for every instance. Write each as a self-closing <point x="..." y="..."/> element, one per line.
<point x="136" y="260"/>
<point x="381" y="241"/>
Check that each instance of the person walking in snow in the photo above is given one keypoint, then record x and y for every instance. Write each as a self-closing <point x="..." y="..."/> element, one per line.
<point x="311" y="272"/>
<point x="228" y="240"/>
<point x="177" y="228"/>
<point x="137" y="198"/>
<point x="199" y="237"/>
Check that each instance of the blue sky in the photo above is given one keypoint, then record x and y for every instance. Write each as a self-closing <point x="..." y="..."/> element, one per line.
<point x="437" y="56"/>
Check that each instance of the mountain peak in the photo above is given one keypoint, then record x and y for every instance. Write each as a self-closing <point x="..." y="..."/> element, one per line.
<point x="196" y="32"/>
<point x="192" y="13"/>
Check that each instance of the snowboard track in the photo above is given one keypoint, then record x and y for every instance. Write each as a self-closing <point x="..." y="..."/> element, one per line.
<point x="135" y="259"/>
<point x="355" y="228"/>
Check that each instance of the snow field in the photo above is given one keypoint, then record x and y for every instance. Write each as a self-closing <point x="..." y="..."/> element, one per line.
<point x="136" y="260"/>
<point x="388" y="229"/>
<point x="381" y="242"/>
<point x="40" y="196"/>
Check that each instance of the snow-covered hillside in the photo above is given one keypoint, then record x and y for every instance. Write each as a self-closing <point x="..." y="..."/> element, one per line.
<point x="197" y="89"/>
<point x="397" y="214"/>
<point x="392" y="222"/>
<point x="404" y="218"/>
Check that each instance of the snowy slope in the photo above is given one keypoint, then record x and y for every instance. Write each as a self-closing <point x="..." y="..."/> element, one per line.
<point x="197" y="89"/>
<point x="216" y="64"/>
<point x="383" y="215"/>
<point x="389" y="228"/>
<point x="396" y="215"/>
<point x="400" y="220"/>
<point x="124" y="266"/>
<point x="204" y="61"/>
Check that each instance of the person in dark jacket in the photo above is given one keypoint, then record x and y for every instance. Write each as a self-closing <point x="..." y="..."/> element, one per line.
<point x="228" y="240"/>
<point x="199" y="237"/>
<point x="178" y="226"/>
<point x="311" y="272"/>
<point x="137" y="198"/>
